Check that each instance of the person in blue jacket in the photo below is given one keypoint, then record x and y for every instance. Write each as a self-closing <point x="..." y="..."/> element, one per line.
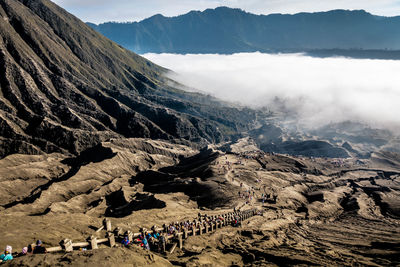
<point x="146" y="243"/>
<point x="126" y="242"/>
<point x="7" y="254"/>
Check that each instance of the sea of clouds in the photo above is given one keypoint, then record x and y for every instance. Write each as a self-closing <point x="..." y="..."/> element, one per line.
<point x="318" y="90"/>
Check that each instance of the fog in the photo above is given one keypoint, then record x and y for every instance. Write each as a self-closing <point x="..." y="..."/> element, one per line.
<point x="318" y="91"/>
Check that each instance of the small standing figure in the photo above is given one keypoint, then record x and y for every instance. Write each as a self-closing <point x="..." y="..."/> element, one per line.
<point x="39" y="248"/>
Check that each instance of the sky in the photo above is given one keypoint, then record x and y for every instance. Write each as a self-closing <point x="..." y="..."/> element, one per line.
<point x="318" y="91"/>
<point x="98" y="11"/>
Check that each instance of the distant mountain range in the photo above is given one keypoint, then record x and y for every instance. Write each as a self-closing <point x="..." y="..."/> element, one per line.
<point x="226" y="30"/>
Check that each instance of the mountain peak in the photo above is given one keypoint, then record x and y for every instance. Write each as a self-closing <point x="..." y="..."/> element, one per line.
<point x="227" y="9"/>
<point x="156" y="17"/>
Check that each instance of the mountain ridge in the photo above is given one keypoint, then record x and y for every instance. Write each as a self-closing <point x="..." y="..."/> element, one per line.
<point x="360" y="11"/>
<point x="227" y="30"/>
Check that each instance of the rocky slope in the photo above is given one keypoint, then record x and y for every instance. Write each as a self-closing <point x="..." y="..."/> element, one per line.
<point x="64" y="88"/>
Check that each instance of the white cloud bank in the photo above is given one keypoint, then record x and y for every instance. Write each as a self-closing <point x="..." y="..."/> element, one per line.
<point x="319" y="90"/>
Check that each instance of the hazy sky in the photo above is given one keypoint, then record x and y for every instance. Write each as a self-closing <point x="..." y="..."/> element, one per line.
<point x="133" y="10"/>
<point x="319" y="90"/>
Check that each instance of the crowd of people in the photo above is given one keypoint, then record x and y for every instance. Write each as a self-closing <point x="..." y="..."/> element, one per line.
<point x="248" y="193"/>
<point x="8" y="255"/>
<point x="150" y="241"/>
<point x="247" y="196"/>
<point x="157" y="239"/>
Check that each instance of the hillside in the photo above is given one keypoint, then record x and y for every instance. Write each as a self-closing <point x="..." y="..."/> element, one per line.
<point x="226" y="30"/>
<point x="64" y="88"/>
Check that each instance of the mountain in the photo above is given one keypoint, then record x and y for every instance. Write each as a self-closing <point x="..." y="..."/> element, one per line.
<point x="226" y="30"/>
<point x="65" y="88"/>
